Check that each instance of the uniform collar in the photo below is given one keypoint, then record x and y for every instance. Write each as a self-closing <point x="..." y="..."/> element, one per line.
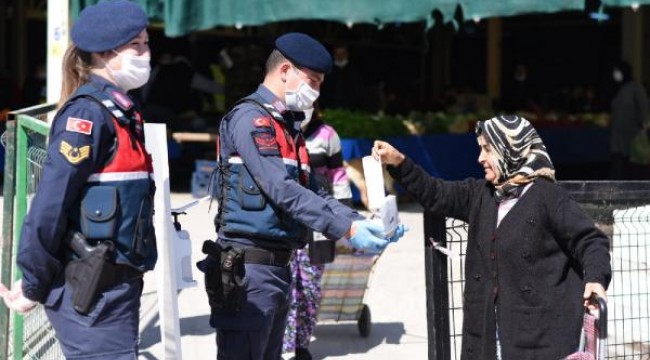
<point x="121" y="99"/>
<point x="269" y="97"/>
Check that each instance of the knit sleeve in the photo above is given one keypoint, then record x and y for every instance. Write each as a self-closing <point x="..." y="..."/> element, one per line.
<point x="447" y="198"/>
<point x="576" y="231"/>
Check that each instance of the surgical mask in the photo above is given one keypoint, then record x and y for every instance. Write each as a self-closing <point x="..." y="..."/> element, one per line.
<point x="341" y="63"/>
<point x="302" y="98"/>
<point x="134" y="72"/>
<point x="617" y="75"/>
<point x="308" y="114"/>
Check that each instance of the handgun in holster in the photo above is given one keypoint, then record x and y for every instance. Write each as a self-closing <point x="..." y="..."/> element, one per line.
<point x="224" y="277"/>
<point x="86" y="273"/>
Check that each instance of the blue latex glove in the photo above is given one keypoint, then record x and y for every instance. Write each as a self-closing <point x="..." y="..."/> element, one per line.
<point x="368" y="235"/>
<point x="398" y="233"/>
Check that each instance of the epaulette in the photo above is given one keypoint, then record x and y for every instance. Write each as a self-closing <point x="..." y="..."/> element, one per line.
<point x="116" y="103"/>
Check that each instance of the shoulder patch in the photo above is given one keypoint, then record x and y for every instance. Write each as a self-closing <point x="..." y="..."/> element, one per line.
<point x="74" y="155"/>
<point x="79" y="125"/>
<point x="262" y="122"/>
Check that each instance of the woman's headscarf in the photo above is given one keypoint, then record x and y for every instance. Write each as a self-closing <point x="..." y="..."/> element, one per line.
<point x="519" y="153"/>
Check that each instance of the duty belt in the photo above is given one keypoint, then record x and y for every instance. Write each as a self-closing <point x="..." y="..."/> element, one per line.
<point x="268" y="257"/>
<point x="118" y="274"/>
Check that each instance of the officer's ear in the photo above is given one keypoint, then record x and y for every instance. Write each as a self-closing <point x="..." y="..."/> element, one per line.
<point x="284" y="70"/>
<point x="100" y="59"/>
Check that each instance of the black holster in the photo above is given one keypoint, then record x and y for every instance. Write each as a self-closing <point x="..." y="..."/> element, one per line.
<point x="87" y="275"/>
<point x="224" y="277"/>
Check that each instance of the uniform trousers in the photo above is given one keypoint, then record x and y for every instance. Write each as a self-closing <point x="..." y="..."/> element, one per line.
<point x="108" y="332"/>
<point x="256" y="332"/>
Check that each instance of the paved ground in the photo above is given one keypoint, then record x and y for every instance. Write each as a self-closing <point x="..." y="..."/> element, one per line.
<point x="396" y="297"/>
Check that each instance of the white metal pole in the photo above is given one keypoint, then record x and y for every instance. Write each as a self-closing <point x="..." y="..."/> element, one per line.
<point x="58" y="19"/>
<point x="165" y="270"/>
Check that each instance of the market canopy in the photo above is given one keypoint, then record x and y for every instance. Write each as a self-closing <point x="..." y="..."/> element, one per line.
<point x="181" y="17"/>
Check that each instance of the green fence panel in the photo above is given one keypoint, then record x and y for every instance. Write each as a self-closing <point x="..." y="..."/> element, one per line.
<point x="9" y="187"/>
<point x="32" y="337"/>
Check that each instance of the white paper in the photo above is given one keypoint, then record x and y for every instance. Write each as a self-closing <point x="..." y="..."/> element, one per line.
<point x="389" y="214"/>
<point x="374" y="177"/>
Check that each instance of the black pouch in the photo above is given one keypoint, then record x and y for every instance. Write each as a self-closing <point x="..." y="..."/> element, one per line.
<point x="321" y="249"/>
<point x="99" y="212"/>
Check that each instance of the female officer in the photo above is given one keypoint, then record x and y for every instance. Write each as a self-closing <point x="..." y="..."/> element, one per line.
<point x="533" y="255"/>
<point x="96" y="185"/>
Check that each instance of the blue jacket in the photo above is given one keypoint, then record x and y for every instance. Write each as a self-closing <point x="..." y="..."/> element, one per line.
<point x="83" y="152"/>
<point x="241" y="135"/>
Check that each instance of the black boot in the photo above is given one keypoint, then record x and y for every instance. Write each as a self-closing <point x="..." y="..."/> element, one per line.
<point x="302" y="354"/>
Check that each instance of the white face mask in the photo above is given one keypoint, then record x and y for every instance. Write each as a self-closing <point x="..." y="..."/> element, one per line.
<point x="617" y="75"/>
<point x="302" y="98"/>
<point x="308" y="114"/>
<point x="341" y="63"/>
<point x="134" y="72"/>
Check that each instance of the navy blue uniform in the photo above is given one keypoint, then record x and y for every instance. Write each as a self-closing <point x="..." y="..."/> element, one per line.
<point x="256" y="331"/>
<point x="82" y="145"/>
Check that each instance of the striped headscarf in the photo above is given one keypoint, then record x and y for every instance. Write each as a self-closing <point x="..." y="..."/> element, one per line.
<point x="519" y="153"/>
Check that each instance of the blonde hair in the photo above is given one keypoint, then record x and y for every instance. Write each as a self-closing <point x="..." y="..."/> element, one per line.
<point x="76" y="71"/>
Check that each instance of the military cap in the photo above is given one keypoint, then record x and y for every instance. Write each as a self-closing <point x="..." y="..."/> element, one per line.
<point x="108" y="25"/>
<point x="305" y="51"/>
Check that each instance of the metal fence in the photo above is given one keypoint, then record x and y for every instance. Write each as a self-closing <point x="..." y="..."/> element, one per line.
<point x="25" y="141"/>
<point x="621" y="209"/>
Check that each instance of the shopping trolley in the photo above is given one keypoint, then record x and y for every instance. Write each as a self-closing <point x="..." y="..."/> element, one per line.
<point x="593" y="340"/>
<point x="344" y="285"/>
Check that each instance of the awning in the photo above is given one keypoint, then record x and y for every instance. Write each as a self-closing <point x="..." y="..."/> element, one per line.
<point x="632" y="3"/>
<point x="181" y="17"/>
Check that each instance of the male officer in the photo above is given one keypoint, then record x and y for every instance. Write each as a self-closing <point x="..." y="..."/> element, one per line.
<point x="265" y="207"/>
<point x="88" y="236"/>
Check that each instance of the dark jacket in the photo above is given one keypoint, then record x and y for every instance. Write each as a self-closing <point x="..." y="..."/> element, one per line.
<point x="532" y="268"/>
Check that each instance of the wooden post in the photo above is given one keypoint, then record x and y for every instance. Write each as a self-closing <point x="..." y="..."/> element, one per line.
<point x="632" y="41"/>
<point x="493" y="73"/>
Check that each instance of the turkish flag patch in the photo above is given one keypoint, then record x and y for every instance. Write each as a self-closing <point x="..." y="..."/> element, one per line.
<point x="79" y="125"/>
<point x="262" y="122"/>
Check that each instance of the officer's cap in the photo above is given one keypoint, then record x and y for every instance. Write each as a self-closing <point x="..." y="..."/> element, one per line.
<point x="305" y="51"/>
<point x="108" y="25"/>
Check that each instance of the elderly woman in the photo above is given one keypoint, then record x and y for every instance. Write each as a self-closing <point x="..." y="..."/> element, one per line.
<point x="533" y="256"/>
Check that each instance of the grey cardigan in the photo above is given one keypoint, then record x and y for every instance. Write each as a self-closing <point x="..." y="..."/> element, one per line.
<point x="533" y="267"/>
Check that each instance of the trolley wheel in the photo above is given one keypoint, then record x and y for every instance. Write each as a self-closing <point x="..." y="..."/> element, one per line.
<point x="365" y="321"/>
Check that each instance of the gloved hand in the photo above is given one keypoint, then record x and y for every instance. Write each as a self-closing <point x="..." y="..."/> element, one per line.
<point x="368" y="235"/>
<point x="15" y="300"/>
<point x="398" y="233"/>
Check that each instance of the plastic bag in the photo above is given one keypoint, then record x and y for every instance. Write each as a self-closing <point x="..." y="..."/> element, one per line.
<point x="640" y="149"/>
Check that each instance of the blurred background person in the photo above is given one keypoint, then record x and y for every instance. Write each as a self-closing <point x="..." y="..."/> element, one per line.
<point x="344" y="86"/>
<point x="629" y="115"/>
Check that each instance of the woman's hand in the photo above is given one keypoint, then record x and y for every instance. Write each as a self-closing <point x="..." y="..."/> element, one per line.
<point x="593" y="287"/>
<point x="387" y="153"/>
